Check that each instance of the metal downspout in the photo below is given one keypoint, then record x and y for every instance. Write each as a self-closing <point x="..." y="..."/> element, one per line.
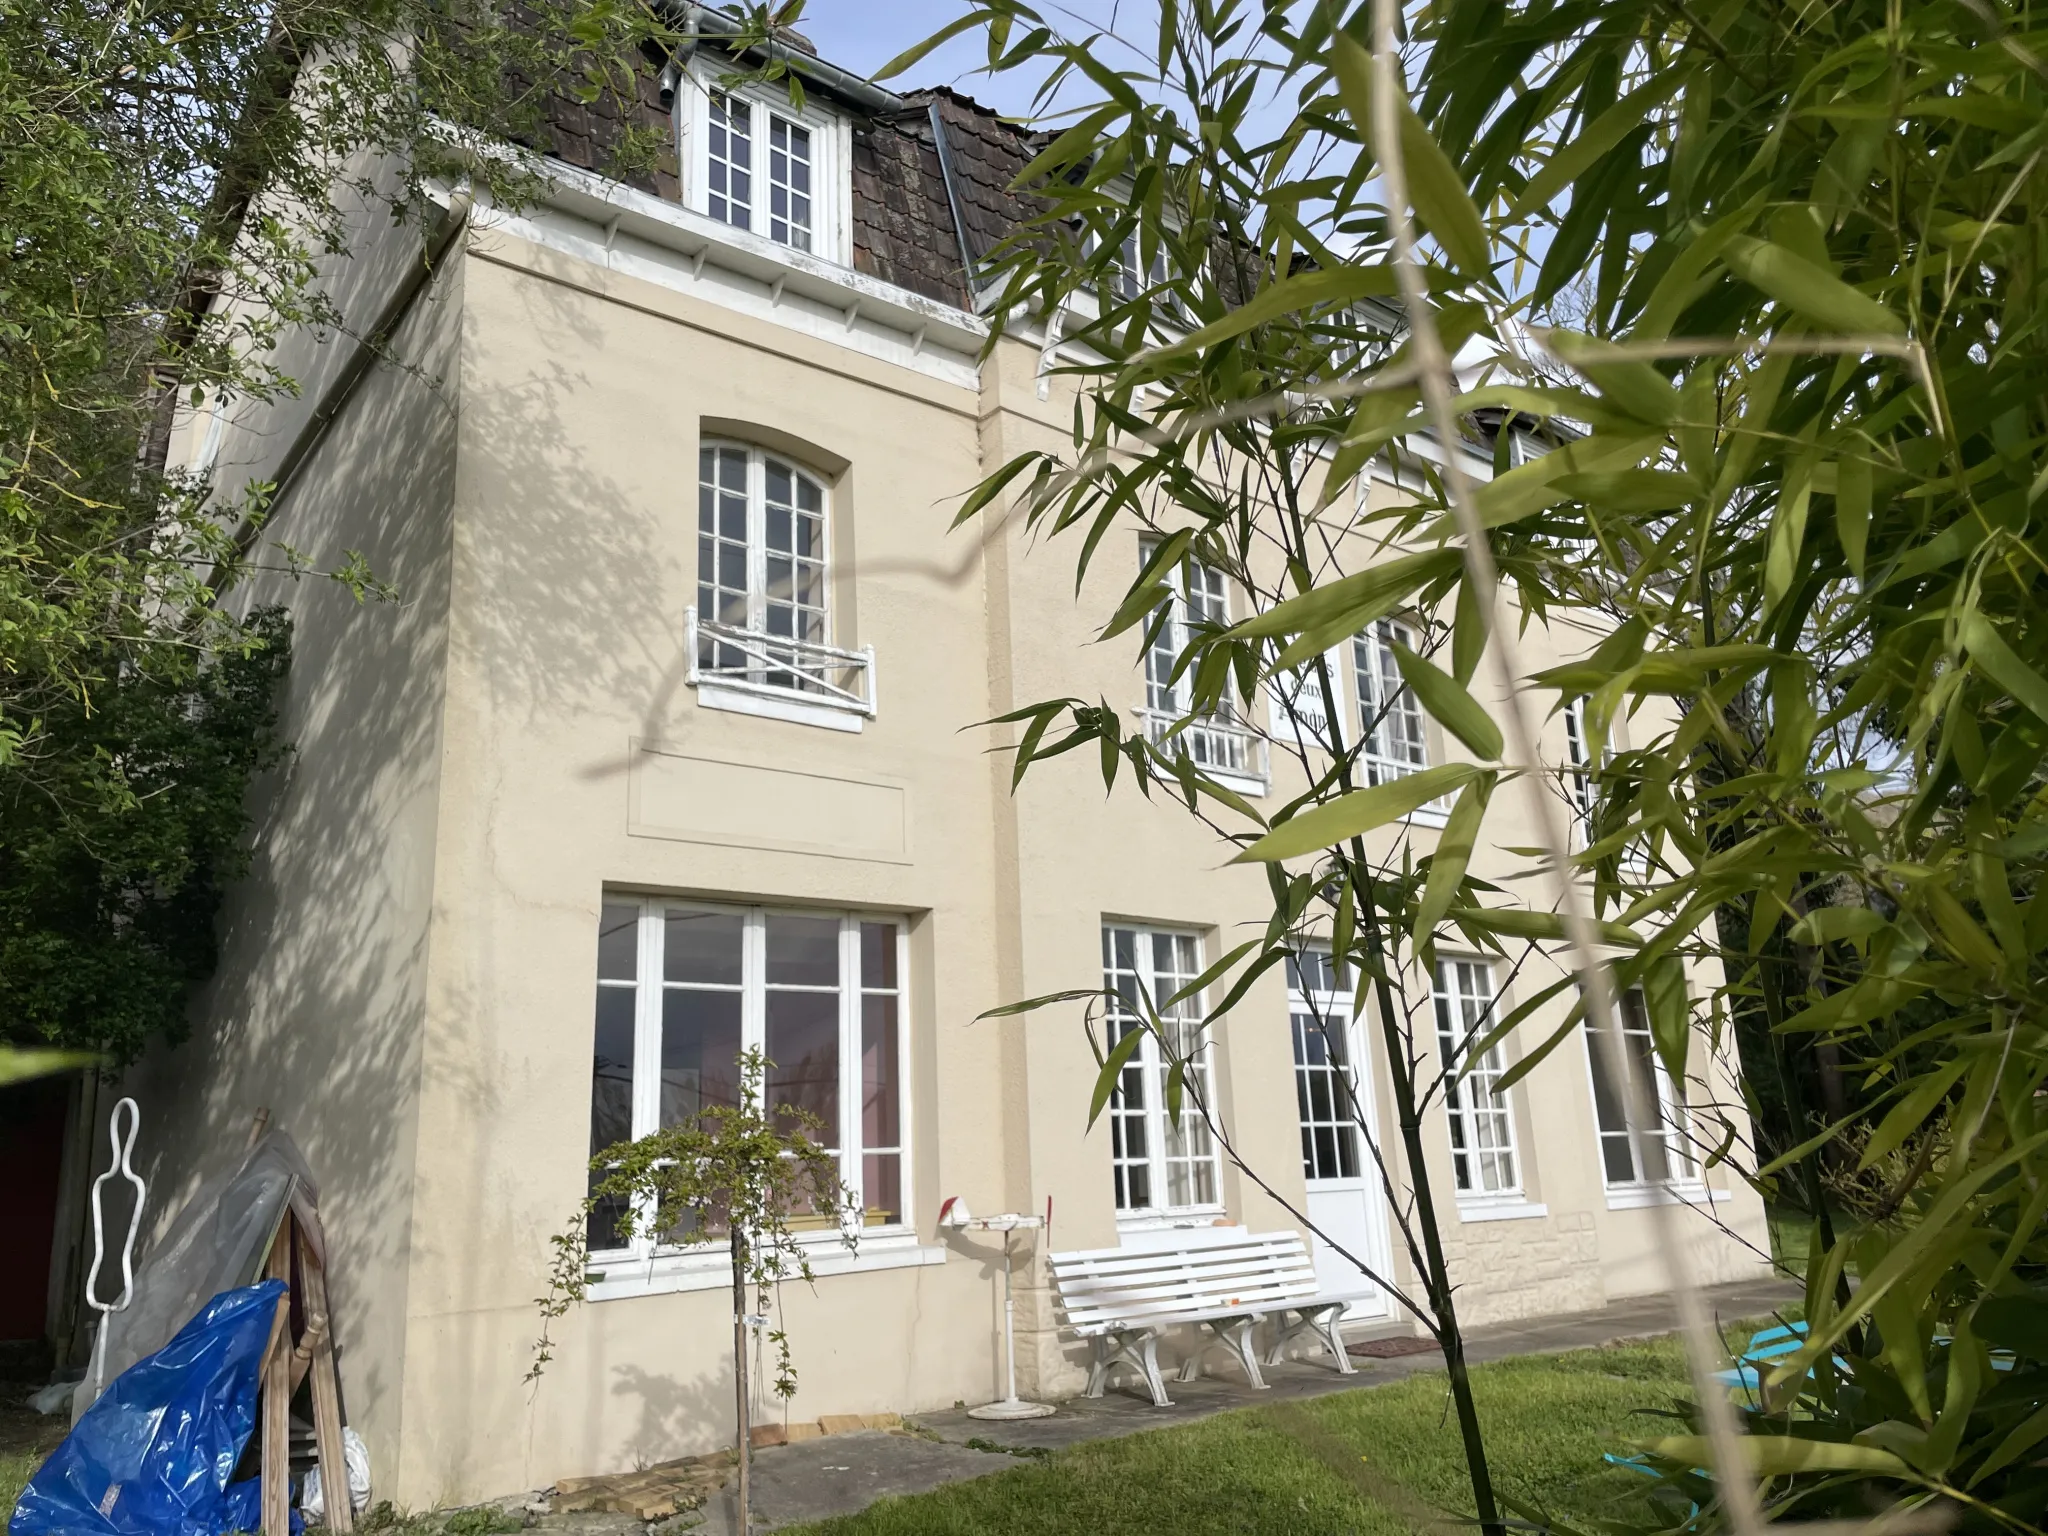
<point x="967" y="263"/>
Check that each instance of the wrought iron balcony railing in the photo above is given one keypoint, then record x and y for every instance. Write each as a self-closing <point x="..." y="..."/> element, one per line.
<point x="779" y="666"/>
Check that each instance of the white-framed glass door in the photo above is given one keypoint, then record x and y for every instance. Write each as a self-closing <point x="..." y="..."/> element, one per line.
<point x="1333" y="1086"/>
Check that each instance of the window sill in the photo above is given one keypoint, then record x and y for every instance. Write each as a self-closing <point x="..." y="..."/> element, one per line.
<point x="1237" y="784"/>
<point x="774" y="704"/>
<point x="1141" y="1224"/>
<point x="1636" y="1197"/>
<point x="710" y="1269"/>
<point x="1428" y="816"/>
<point x="1516" y="1209"/>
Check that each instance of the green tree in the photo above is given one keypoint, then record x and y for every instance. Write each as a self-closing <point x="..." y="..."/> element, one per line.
<point x="1797" y="459"/>
<point x="114" y="854"/>
<point x="745" y="1172"/>
<point x="175" y="177"/>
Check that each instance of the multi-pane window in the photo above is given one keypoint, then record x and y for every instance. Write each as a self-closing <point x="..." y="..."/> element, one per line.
<point x="764" y="166"/>
<point x="1666" y="1151"/>
<point x="789" y="183"/>
<point x="1198" y="599"/>
<point x="1579" y="777"/>
<point x="1320" y="1014"/>
<point x="1482" y="1125"/>
<point x="683" y="988"/>
<point x="729" y="160"/>
<point x="1132" y="275"/>
<point x="1389" y="715"/>
<point x="761" y="567"/>
<point x="1161" y="1162"/>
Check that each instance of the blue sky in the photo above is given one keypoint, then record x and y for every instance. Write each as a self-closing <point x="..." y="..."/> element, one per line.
<point x="863" y="35"/>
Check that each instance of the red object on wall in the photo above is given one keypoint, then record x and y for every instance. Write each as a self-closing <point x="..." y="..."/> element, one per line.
<point x="32" y="1118"/>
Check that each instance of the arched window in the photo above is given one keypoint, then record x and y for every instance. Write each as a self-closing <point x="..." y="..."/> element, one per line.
<point x="763" y="620"/>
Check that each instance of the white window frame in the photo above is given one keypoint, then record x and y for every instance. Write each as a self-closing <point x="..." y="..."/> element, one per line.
<point x="1578" y="744"/>
<point x="647" y="1266"/>
<point x="1583" y="793"/>
<point x="1374" y="671"/>
<point x="831" y="156"/>
<point x="1323" y="1006"/>
<point x="805" y="680"/>
<point x="1464" y="1014"/>
<point x="1222" y="744"/>
<point x="1377" y="675"/>
<point x="1673" y="1114"/>
<point x="1150" y="1071"/>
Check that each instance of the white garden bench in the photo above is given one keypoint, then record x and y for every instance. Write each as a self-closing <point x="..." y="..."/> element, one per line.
<point x="1224" y="1281"/>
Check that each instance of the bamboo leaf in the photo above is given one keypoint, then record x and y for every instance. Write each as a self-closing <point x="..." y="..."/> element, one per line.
<point x="1633" y="490"/>
<point x="1290" y="295"/>
<point x="1112" y="1067"/>
<point x="1998" y="661"/>
<point x="1208" y="977"/>
<point x="1521" y="923"/>
<point x="1537" y="1057"/>
<point x="1911" y="1113"/>
<point x="1813" y="291"/>
<point x="1453" y="856"/>
<point x="1335" y="604"/>
<point x="1852" y="509"/>
<point x="1449" y="704"/>
<point x="1626" y="382"/>
<point x="1032" y="1004"/>
<point x="1602" y="134"/>
<point x="1435" y="187"/>
<point x="944" y="35"/>
<point x="1785" y="1455"/>
<point x="1664" y="999"/>
<point x="1358" y="812"/>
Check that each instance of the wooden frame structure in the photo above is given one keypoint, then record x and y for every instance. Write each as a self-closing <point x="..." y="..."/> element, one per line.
<point x="301" y="1346"/>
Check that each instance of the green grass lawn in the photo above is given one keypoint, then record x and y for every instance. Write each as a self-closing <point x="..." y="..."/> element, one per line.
<point x="1380" y="1462"/>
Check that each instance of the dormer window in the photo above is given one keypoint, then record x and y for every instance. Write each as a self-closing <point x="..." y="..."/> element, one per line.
<point x="754" y="161"/>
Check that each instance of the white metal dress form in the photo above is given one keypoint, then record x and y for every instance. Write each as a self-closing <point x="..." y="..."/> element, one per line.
<point x="120" y="1150"/>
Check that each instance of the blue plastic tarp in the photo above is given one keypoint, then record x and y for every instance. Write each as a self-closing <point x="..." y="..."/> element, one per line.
<point x="153" y="1456"/>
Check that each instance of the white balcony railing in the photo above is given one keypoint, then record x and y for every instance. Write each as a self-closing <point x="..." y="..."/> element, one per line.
<point x="779" y="667"/>
<point x="1215" y="744"/>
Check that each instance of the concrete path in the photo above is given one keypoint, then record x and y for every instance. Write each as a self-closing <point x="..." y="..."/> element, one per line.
<point x="842" y="1474"/>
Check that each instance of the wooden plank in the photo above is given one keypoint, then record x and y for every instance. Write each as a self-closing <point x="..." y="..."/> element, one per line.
<point x="340" y="1513"/>
<point x="276" y="1399"/>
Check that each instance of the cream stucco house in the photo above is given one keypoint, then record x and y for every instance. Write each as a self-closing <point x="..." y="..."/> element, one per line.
<point x="669" y="746"/>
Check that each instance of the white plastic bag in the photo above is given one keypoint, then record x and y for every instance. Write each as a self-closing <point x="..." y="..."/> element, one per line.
<point x="312" y="1503"/>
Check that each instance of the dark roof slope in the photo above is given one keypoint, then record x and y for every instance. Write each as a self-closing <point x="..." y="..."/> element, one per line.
<point x="987" y="154"/>
<point x="902" y="222"/>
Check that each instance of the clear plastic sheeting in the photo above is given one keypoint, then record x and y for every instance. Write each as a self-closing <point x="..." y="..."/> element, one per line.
<point x="217" y="1242"/>
<point x="153" y="1456"/>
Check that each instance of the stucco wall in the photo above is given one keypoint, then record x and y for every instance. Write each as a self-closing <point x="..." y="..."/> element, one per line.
<point x="316" y="1010"/>
<point x="575" y="559"/>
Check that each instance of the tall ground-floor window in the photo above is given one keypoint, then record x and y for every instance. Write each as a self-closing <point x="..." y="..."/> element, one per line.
<point x="684" y="987"/>
<point x="1161" y="1163"/>
<point x="1482" y="1123"/>
<point x="1666" y="1150"/>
